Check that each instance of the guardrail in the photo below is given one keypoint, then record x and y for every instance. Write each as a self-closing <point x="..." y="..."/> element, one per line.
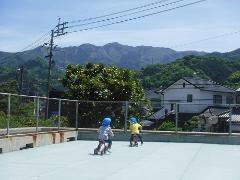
<point x="36" y="112"/>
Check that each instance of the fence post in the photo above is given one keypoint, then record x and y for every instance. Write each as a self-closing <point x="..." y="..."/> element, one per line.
<point x="59" y="114"/>
<point x="37" y="115"/>
<point x="126" y="116"/>
<point x="176" y="118"/>
<point x="230" y="120"/>
<point x="9" y="114"/>
<point x="77" y="115"/>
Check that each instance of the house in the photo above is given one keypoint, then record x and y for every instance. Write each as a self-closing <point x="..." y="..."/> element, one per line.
<point x="155" y="98"/>
<point x="194" y="95"/>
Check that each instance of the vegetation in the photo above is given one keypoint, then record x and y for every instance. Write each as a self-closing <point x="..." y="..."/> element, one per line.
<point x="220" y="70"/>
<point x="168" y="125"/>
<point x="34" y="78"/>
<point x="233" y="80"/>
<point x="95" y="82"/>
<point x="23" y="114"/>
<point x="194" y="124"/>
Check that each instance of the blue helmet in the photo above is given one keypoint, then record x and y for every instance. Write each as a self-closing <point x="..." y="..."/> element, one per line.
<point x="133" y="120"/>
<point x="106" y="122"/>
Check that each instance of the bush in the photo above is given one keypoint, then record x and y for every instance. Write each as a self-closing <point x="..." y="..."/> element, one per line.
<point x="168" y="125"/>
<point x="193" y="124"/>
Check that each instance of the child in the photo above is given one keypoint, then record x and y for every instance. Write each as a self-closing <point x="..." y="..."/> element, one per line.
<point x="134" y="127"/>
<point x="104" y="132"/>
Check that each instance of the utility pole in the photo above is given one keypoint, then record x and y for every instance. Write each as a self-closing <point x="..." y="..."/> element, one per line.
<point x="57" y="31"/>
<point x="20" y="69"/>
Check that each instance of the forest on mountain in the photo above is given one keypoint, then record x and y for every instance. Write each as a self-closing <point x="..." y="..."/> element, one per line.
<point x="224" y="69"/>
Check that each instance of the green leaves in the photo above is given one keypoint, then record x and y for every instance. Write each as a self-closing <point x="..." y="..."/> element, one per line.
<point x="97" y="82"/>
<point x="205" y="67"/>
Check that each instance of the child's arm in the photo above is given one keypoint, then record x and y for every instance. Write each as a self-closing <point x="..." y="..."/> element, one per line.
<point x="110" y="133"/>
<point x="140" y="127"/>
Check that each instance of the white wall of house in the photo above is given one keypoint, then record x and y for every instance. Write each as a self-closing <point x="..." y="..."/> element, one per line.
<point x="178" y="92"/>
<point x="209" y="95"/>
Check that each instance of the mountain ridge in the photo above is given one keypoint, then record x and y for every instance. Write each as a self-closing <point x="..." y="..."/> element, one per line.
<point x="133" y="57"/>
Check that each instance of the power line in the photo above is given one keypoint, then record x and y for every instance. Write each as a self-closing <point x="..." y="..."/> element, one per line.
<point x="207" y="39"/>
<point x="117" y="17"/>
<point x="119" y="12"/>
<point x="135" y="18"/>
<point x="33" y="45"/>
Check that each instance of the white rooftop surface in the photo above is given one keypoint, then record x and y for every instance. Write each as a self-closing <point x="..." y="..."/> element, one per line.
<point x="153" y="160"/>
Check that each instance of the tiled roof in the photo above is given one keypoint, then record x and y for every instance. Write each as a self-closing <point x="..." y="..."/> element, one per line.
<point x="214" y="111"/>
<point x="208" y="85"/>
<point x="235" y="115"/>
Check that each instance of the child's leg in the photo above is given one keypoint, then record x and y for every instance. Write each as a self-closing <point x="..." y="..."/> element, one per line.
<point x="140" y="137"/>
<point x="99" y="144"/>
<point x="131" y="139"/>
<point x="109" y="141"/>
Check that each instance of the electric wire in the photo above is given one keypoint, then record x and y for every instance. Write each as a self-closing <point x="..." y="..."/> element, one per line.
<point x="33" y="45"/>
<point x="135" y="18"/>
<point x="117" y="17"/>
<point x="207" y="39"/>
<point x="119" y="12"/>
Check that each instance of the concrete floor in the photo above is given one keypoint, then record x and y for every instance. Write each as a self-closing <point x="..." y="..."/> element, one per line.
<point x="154" y="160"/>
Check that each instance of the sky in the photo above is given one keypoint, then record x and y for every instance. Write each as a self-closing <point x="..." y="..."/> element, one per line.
<point x="197" y="27"/>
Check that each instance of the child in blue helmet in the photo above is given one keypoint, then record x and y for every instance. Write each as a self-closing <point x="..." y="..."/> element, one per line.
<point x="105" y="132"/>
<point x="134" y="128"/>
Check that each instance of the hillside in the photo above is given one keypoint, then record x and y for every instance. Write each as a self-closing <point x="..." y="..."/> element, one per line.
<point x="35" y="75"/>
<point x="219" y="67"/>
<point x="206" y="67"/>
<point x="109" y="54"/>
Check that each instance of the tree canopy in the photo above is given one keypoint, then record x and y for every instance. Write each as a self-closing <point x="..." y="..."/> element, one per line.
<point x="205" y="67"/>
<point x="99" y="83"/>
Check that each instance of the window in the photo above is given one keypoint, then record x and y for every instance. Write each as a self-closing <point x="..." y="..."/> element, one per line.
<point x="238" y="99"/>
<point x="229" y="100"/>
<point x="189" y="98"/>
<point x="217" y="99"/>
<point x="183" y="85"/>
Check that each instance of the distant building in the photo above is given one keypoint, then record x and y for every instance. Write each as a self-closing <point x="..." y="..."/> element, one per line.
<point x="195" y="95"/>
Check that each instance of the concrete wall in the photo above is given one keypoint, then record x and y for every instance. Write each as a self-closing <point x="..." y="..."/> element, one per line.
<point x="24" y="141"/>
<point x="153" y="136"/>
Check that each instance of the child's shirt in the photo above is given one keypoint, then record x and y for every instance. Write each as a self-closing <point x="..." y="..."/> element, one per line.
<point x="104" y="132"/>
<point x="135" y="128"/>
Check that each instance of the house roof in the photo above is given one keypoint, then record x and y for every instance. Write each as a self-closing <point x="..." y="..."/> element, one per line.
<point x="214" y="111"/>
<point x="152" y="94"/>
<point x="208" y="85"/>
<point x="235" y="115"/>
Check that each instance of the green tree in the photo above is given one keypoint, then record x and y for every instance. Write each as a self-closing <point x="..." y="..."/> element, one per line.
<point x="168" y="125"/>
<point x="99" y="83"/>
<point x="95" y="82"/>
<point x="193" y="124"/>
<point x="233" y="80"/>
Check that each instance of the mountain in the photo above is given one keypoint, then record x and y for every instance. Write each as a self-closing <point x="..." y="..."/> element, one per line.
<point x="233" y="55"/>
<point x="109" y="54"/>
<point x="224" y="71"/>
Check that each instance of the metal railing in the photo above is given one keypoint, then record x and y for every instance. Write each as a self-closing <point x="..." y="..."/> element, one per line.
<point x="22" y="114"/>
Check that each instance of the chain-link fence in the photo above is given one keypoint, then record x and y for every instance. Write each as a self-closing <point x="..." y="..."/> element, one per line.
<point x="24" y="114"/>
<point x="32" y="114"/>
<point x="185" y="117"/>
